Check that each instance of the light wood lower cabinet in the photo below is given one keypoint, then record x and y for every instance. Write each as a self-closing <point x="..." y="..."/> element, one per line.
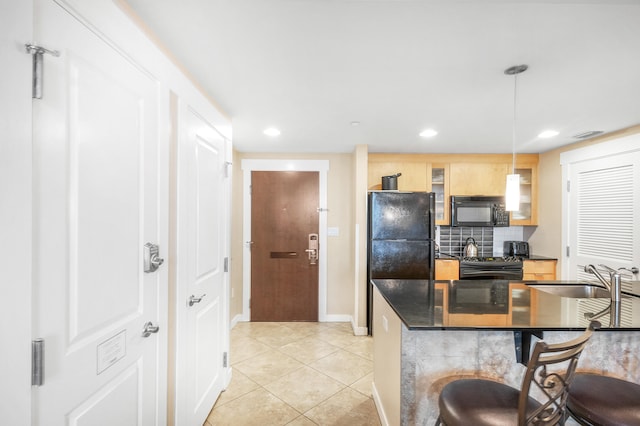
<point x="447" y="269"/>
<point x="539" y="270"/>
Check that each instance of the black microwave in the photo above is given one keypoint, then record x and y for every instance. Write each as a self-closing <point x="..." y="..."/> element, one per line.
<point x="478" y="210"/>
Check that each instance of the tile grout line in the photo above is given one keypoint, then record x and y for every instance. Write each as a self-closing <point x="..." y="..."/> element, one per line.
<point x="316" y="334"/>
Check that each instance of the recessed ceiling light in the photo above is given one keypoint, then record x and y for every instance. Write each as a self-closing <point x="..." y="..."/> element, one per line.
<point x="271" y="131"/>
<point x="355" y="123"/>
<point x="548" y="134"/>
<point x="428" y="133"/>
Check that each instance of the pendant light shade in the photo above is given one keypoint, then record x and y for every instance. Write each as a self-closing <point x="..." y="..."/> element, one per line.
<point x="512" y="193"/>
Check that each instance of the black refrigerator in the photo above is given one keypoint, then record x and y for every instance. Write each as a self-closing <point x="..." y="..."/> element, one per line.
<point x="401" y="238"/>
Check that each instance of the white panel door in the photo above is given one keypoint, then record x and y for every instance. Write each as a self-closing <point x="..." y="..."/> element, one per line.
<point x="97" y="201"/>
<point x="202" y="318"/>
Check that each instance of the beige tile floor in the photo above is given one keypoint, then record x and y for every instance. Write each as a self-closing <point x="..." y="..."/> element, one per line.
<point x="298" y="374"/>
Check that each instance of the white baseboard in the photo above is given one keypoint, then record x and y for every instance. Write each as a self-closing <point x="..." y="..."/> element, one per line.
<point x="235" y="320"/>
<point x="358" y="331"/>
<point x="227" y="378"/>
<point x="335" y="318"/>
<point x="376" y="399"/>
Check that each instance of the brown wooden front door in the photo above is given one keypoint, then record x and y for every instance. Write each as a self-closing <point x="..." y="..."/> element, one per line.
<point x="284" y="212"/>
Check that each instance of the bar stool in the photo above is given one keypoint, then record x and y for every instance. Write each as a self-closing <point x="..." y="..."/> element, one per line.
<point x="601" y="400"/>
<point x="485" y="402"/>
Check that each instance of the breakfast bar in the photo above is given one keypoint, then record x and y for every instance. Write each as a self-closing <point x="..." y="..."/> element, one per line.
<point x="428" y="333"/>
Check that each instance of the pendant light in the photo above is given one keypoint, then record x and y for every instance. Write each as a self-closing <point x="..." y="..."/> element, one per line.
<point x="512" y="193"/>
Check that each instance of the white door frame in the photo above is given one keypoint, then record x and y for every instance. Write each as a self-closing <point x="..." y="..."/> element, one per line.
<point x="320" y="166"/>
<point x="15" y="215"/>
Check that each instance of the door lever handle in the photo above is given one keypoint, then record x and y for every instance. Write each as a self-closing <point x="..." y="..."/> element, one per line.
<point x="149" y="328"/>
<point x="193" y="299"/>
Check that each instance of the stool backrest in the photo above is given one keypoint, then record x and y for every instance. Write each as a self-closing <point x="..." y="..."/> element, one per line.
<point x="552" y="384"/>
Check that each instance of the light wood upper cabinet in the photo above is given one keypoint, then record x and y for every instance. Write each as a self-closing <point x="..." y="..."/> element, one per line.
<point x="438" y="182"/>
<point x="460" y="174"/>
<point x="414" y="173"/>
<point x="478" y="178"/>
<point x="528" y="213"/>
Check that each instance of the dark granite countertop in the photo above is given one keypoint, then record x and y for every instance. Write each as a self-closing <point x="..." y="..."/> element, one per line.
<point x="536" y="257"/>
<point x="531" y="257"/>
<point x="497" y="305"/>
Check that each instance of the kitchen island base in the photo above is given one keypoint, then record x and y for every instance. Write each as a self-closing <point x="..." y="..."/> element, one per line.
<point x="412" y="366"/>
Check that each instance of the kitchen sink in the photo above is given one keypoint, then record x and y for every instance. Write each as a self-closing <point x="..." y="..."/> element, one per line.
<point x="580" y="291"/>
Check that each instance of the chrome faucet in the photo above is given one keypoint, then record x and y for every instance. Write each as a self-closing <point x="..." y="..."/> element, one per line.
<point x="590" y="269"/>
<point x="614" y="285"/>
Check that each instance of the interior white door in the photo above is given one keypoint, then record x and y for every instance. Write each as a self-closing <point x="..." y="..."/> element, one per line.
<point x="97" y="201"/>
<point x="604" y="217"/>
<point x="202" y="336"/>
<point x="604" y="224"/>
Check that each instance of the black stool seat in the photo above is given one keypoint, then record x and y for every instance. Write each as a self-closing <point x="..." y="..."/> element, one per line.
<point x="481" y="402"/>
<point x="601" y="400"/>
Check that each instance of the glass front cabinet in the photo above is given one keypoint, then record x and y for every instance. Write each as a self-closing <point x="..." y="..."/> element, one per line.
<point x="439" y="181"/>
<point x="527" y="215"/>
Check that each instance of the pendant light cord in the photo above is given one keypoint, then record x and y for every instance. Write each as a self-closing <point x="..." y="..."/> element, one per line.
<point x="513" y="160"/>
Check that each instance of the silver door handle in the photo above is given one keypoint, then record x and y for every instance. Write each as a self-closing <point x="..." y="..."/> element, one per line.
<point x="193" y="299"/>
<point x="149" y="328"/>
<point x="152" y="260"/>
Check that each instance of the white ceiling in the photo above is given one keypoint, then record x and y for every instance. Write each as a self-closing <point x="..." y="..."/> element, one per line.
<point x="311" y="67"/>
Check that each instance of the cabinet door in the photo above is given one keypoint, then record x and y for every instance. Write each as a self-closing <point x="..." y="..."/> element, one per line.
<point x="478" y="178"/>
<point x="528" y="213"/>
<point x="414" y="174"/>
<point x="447" y="269"/>
<point x="539" y="270"/>
<point x="439" y="184"/>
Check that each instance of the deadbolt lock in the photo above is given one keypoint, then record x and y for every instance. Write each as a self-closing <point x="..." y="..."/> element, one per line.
<point x="152" y="260"/>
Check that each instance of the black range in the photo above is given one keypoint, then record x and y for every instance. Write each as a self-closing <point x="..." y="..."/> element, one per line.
<point x="491" y="268"/>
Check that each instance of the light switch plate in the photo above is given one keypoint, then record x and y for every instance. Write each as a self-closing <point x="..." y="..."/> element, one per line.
<point x="333" y="231"/>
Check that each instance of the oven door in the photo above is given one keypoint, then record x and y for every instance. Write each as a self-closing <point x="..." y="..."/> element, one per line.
<point x="491" y="271"/>
<point x="479" y="297"/>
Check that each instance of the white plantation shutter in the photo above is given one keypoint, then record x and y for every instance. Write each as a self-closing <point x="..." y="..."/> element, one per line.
<point x="604" y="210"/>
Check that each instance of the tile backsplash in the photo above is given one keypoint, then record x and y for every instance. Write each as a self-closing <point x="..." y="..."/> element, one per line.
<point x="489" y="240"/>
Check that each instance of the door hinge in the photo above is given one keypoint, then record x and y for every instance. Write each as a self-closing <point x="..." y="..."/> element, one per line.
<point x="224" y="359"/>
<point x="568" y="186"/>
<point x="226" y="264"/>
<point x="567" y="251"/>
<point x="37" y="52"/>
<point x="227" y="168"/>
<point x="37" y="362"/>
